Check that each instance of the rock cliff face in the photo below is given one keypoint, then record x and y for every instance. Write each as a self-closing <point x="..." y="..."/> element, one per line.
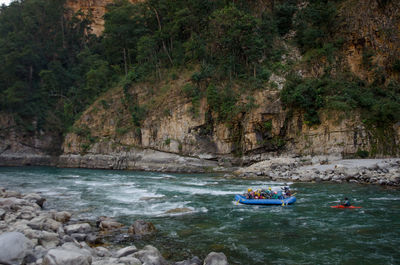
<point x="105" y="132"/>
<point x="17" y="148"/>
<point x="95" y="9"/>
<point x="371" y="25"/>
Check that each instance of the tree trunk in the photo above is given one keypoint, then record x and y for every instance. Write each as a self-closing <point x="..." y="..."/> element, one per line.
<point x="125" y="63"/>
<point x="162" y="40"/>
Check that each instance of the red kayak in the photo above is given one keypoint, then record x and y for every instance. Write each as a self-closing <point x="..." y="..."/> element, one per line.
<point x="345" y="207"/>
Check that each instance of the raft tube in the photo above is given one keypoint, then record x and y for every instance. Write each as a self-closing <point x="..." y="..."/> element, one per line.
<point x="242" y="199"/>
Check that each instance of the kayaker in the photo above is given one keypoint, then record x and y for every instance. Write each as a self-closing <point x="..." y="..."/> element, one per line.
<point x="346" y="202"/>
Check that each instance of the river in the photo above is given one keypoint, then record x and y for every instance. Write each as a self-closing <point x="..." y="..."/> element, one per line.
<point x="308" y="232"/>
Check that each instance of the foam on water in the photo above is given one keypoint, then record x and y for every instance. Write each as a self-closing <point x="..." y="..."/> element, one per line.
<point x="385" y="199"/>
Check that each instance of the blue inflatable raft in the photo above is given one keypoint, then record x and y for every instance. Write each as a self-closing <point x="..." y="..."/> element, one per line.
<point x="242" y="199"/>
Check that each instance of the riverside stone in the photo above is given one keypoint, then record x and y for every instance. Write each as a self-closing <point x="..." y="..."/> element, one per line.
<point x="2" y="214"/>
<point x="62" y="217"/>
<point x="193" y="261"/>
<point x="216" y="258"/>
<point x="77" y="228"/>
<point x="109" y="225"/>
<point x="44" y="223"/>
<point x="15" y="247"/>
<point x="107" y="261"/>
<point x="48" y="239"/>
<point x="149" y="255"/>
<point x="102" y="252"/>
<point x="141" y="227"/>
<point x="126" y="251"/>
<point x="66" y="257"/>
<point x="130" y="260"/>
<point x="36" y="198"/>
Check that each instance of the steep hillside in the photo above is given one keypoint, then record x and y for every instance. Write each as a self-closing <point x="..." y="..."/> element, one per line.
<point x="190" y="86"/>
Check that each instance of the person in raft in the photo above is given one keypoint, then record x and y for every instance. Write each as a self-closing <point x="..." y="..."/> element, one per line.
<point x="249" y="194"/>
<point x="346" y="202"/>
<point x="286" y="191"/>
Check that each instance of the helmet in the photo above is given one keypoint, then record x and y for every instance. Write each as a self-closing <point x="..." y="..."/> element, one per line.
<point x="249" y="190"/>
<point x="269" y="188"/>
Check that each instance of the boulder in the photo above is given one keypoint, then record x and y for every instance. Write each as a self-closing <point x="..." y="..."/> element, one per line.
<point x="102" y="252"/>
<point x="44" y="223"/>
<point x="26" y="214"/>
<point x="125" y="251"/>
<point x="149" y="255"/>
<point x="107" y="261"/>
<point x="77" y="228"/>
<point x="140" y="228"/>
<point x="62" y="217"/>
<point x="11" y="193"/>
<point x="15" y="248"/>
<point x="48" y="239"/>
<point x="216" y="258"/>
<point x="109" y="225"/>
<point x="67" y="257"/>
<point x="2" y="214"/>
<point x="36" y="198"/>
<point x="129" y="260"/>
<point x="79" y="236"/>
<point x="350" y="173"/>
<point x="93" y="239"/>
<point x="193" y="261"/>
<point x="13" y="204"/>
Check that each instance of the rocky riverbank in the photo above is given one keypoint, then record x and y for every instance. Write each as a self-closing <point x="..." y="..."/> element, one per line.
<point x="369" y="171"/>
<point x="32" y="235"/>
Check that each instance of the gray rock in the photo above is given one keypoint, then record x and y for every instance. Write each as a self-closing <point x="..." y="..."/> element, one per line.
<point x="149" y="255"/>
<point x="39" y="252"/>
<point x="107" y="261"/>
<point x="102" y="252"/>
<point x="130" y="260"/>
<point x="193" y="261"/>
<point x="216" y="258"/>
<point x="109" y="225"/>
<point x="2" y="214"/>
<point x="36" y="198"/>
<point x="350" y="173"/>
<point x="11" y="193"/>
<point x="79" y="236"/>
<point x="48" y="239"/>
<point x="62" y="217"/>
<point x="77" y="228"/>
<point x="44" y="223"/>
<point x="67" y="257"/>
<point x="26" y="214"/>
<point x="125" y="251"/>
<point x="15" y="247"/>
<point x="93" y="239"/>
<point x="394" y="178"/>
<point x="140" y="228"/>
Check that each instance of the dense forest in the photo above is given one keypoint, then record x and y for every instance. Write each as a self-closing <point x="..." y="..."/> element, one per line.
<point x="52" y="68"/>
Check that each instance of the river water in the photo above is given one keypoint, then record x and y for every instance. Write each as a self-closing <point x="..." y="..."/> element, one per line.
<point x="308" y="232"/>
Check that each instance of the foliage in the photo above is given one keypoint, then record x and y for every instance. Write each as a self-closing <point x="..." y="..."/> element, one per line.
<point x="315" y="24"/>
<point x="49" y="63"/>
<point x="362" y="153"/>
<point x="379" y="105"/>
